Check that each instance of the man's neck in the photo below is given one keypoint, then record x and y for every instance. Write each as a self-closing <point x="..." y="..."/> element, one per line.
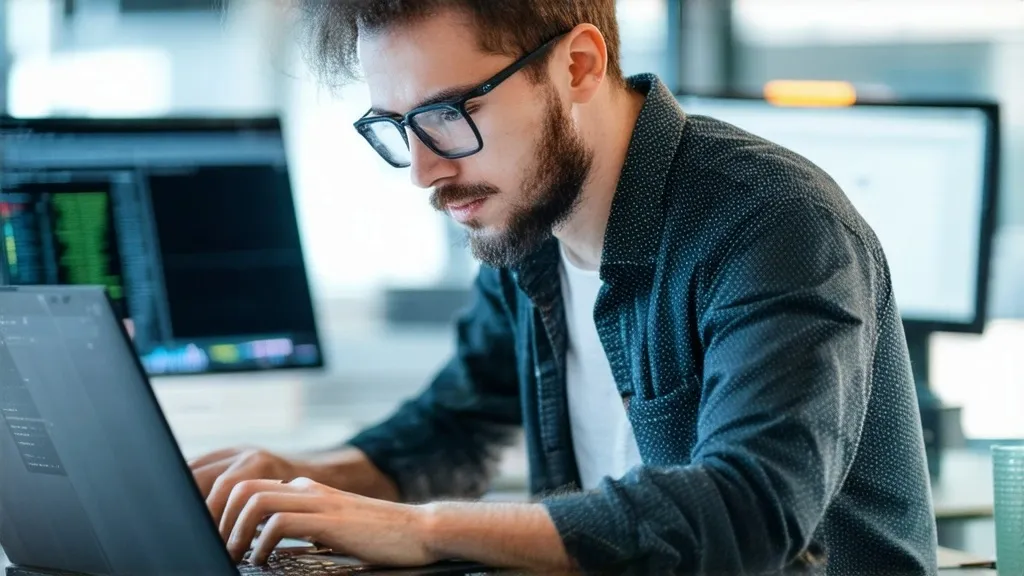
<point x="607" y="127"/>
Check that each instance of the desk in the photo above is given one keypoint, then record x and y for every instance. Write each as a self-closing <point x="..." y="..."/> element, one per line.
<point x="956" y="561"/>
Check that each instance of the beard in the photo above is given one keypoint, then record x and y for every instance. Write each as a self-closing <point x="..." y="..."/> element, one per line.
<point x="552" y="189"/>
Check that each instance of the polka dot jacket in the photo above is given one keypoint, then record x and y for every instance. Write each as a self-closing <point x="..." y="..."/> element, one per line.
<point x="748" y="317"/>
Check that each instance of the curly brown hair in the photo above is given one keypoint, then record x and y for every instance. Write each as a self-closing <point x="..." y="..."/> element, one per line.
<point x="330" y="28"/>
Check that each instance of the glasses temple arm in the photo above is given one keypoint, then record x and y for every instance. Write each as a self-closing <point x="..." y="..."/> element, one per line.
<point x="500" y="77"/>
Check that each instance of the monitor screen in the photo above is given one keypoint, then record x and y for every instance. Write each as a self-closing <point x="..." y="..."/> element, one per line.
<point x="918" y="176"/>
<point x="189" y="224"/>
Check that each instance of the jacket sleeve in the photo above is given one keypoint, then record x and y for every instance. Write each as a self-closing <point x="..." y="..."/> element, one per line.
<point x="447" y="442"/>
<point x="787" y="322"/>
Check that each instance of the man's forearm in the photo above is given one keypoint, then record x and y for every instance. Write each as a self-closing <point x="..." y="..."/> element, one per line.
<point x="349" y="470"/>
<point x="495" y="534"/>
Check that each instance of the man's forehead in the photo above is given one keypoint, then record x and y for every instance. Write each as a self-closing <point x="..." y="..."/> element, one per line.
<point x="409" y="65"/>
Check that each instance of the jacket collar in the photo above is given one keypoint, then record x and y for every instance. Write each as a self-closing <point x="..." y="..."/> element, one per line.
<point x="633" y="235"/>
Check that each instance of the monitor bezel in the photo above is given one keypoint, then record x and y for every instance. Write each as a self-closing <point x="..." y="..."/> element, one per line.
<point x="183" y="124"/>
<point x="989" y="192"/>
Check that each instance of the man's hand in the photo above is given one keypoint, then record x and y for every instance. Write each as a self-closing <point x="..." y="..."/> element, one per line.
<point x="218" y="474"/>
<point x="373" y="531"/>
<point x="386" y="533"/>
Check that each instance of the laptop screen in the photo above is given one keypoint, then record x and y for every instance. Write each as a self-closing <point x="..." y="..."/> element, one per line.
<point x="91" y="479"/>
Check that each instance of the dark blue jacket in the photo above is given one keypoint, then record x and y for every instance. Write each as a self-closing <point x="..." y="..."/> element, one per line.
<point x="749" y="320"/>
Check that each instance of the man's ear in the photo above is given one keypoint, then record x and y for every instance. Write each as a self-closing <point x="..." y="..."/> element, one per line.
<point x="587" y="59"/>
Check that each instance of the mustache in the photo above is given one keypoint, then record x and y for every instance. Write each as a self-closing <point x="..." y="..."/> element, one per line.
<point x="457" y="194"/>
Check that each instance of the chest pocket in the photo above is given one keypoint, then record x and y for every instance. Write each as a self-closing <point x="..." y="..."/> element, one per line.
<point x="654" y="369"/>
<point x="665" y="426"/>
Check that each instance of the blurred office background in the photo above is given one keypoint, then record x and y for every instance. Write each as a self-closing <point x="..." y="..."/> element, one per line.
<point x="376" y="252"/>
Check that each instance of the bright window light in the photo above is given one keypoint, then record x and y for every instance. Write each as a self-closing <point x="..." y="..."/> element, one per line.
<point x="112" y="83"/>
<point x="365" y="225"/>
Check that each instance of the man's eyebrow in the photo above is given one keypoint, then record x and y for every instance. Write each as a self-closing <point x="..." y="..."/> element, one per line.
<point x="445" y="95"/>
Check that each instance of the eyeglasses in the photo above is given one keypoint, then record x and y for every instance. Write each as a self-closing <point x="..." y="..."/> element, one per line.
<point x="446" y="128"/>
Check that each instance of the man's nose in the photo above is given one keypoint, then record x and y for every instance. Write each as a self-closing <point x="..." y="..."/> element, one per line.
<point x="427" y="167"/>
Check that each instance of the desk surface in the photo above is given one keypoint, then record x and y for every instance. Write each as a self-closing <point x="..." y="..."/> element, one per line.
<point x="950" y="559"/>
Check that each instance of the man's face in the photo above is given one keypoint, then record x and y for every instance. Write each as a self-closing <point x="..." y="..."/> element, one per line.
<point x="528" y="177"/>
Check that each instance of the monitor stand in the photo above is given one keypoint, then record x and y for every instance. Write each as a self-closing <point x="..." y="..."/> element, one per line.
<point x="940" y="423"/>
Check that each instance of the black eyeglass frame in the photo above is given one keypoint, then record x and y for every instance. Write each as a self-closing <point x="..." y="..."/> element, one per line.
<point x="363" y="125"/>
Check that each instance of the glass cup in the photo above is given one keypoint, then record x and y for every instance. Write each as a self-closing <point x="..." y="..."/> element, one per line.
<point x="1008" y="478"/>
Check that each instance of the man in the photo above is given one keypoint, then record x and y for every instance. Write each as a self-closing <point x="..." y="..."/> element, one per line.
<point x="694" y="326"/>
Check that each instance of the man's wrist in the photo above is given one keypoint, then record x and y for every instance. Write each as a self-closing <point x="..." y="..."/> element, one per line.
<point x="428" y="523"/>
<point x="520" y="535"/>
<point x="441" y="529"/>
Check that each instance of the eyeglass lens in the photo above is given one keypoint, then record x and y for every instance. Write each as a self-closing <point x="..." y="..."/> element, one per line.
<point x="444" y="129"/>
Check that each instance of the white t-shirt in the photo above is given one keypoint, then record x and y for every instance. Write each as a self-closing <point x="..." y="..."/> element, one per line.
<point x="602" y="436"/>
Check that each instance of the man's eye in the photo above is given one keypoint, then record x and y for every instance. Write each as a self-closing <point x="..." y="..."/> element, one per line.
<point x="451" y="115"/>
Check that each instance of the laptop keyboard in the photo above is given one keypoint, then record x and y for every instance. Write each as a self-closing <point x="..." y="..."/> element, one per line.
<point x="291" y="565"/>
<point x="311" y="565"/>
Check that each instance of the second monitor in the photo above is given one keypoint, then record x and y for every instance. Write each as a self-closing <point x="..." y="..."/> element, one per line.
<point x="922" y="176"/>
<point x="189" y="224"/>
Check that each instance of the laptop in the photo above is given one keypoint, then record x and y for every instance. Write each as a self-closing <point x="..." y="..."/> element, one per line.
<point x="91" y="478"/>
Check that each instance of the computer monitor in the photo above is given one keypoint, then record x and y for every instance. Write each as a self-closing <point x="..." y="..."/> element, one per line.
<point x="924" y="177"/>
<point x="190" y="225"/>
